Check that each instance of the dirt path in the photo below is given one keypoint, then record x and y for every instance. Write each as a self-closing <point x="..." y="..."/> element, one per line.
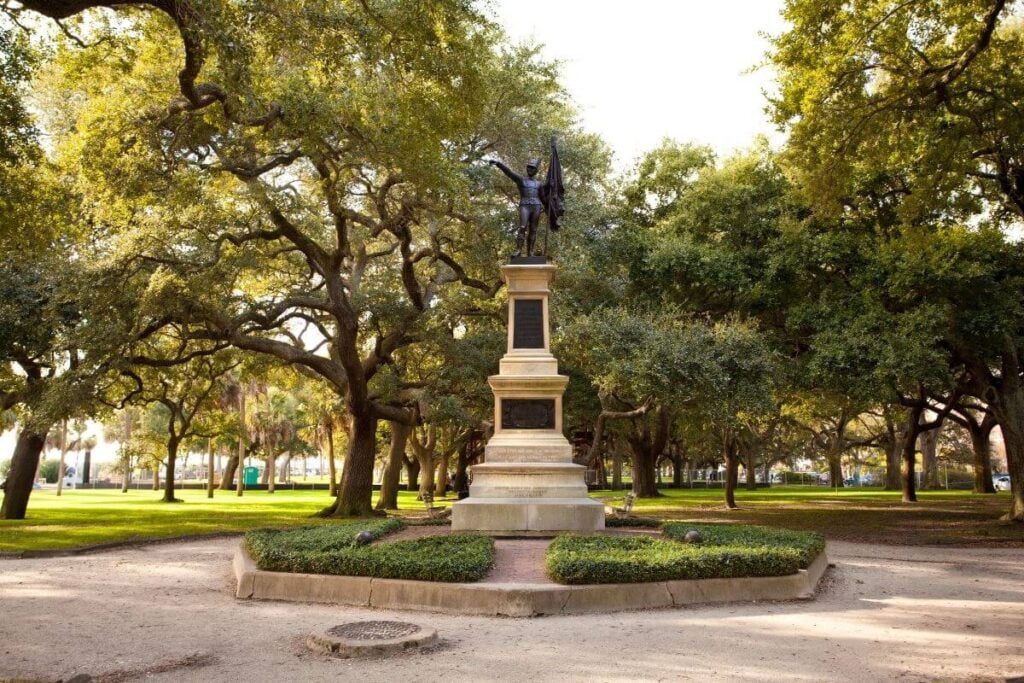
<point x="165" y="613"/>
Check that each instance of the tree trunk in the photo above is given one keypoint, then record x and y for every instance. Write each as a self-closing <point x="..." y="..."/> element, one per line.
<point x="893" y="481"/>
<point x="227" y="478"/>
<point x="751" y="471"/>
<point x="981" y="444"/>
<point x="240" y="482"/>
<point x="22" y="474"/>
<point x="835" y="469"/>
<point x="172" y="457"/>
<point x="284" y="473"/>
<point x="616" y="469"/>
<point x="412" y="473"/>
<point x="126" y="473"/>
<point x="929" y="445"/>
<point x="644" y="484"/>
<point x="210" y="467"/>
<point x="356" y="490"/>
<point x="462" y="464"/>
<point x="269" y="475"/>
<point x="156" y="477"/>
<point x="393" y="469"/>
<point x="1008" y="409"/>
<point x="909" y="455"/>
<point x="63" y="455"/>
<point x="732" y="466"/>
<point x="441" y="480"/>
<point x="332" y="467"/>
<point x="87" y="467"/>
<point x="602" y="473"/>
<point x="426" y="478"/>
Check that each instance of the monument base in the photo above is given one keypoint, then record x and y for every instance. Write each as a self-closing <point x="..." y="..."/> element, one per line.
<point x="527" y="516"/>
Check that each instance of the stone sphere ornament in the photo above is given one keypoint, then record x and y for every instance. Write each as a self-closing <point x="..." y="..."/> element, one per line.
<point x="363" y="537"/>
<point x="693" y="536"/>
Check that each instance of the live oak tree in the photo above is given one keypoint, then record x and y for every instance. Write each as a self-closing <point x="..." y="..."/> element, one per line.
<point x="325" y="234"/>
<point x="182" y="395"/>
<point x="45" y="376"/>
<point x="906" y="112"/>
<point x="917" y="96"/>
<point x="649" y="367"/>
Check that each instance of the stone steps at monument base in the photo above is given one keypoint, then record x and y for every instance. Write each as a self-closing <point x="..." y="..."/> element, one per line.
<point x="527" y="514"/>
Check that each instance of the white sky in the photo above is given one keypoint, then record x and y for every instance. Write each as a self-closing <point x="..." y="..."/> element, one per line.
<point x="646" y="69"/>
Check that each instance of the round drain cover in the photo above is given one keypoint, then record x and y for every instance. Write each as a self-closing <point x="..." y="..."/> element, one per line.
<point x="371" y="638"/>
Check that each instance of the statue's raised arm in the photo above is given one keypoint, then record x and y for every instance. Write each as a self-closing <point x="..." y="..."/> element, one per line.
<point x="516" y="178"/>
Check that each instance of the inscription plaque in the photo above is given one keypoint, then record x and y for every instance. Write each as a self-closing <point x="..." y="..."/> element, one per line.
<point x="529" y="324"/>
<point x="528" y="413"/>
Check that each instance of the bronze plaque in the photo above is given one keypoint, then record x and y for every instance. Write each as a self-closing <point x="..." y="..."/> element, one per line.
<point x="527" y="413"/>
<point x="529" y="324"/>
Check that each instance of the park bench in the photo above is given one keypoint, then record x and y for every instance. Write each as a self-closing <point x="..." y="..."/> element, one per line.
<point x="627" y="506"/>
<point x="434" y="510"/>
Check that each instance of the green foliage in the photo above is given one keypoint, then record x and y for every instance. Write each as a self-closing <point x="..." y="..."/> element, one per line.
<point x="48" y="471"/>
<point x="906" y="106"/>
<point x="336" y="536"/>
<point x="613" y="522"/>
<point x="17" y="130"/>
<point x="430" y="521"/>
<point x="718" y="369"/>
<point x="639" y="559"/>
<point x="331" y="550"/>
<point x="808" y="544"/>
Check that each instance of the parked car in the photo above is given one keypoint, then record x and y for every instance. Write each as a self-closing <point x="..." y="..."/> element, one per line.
<point x="1001" y="482"/>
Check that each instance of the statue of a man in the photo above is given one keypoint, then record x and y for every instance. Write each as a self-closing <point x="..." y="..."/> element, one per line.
<point x="530" y="205"/>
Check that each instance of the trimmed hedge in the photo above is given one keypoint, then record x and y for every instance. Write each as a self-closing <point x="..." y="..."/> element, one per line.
<point x="639" y="559"/>
<point x="458" y="558"/>
<point x="320" y="538"/>
<point x="807" y="543"/>
<point x="611" y="522"/>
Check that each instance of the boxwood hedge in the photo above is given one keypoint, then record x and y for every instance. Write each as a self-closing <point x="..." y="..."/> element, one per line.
<point x="320" y="538"/>
<point x="638" y="559"/>
<point x="807" y="543"/>
<point x="452" y="558"/>
<point x="612" y="521"/>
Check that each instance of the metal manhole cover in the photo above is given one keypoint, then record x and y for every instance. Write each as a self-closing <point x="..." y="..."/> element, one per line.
<point x="371" y="639"/>
<point x="373" y="630"/>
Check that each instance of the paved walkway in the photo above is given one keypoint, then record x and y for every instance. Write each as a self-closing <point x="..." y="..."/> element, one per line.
<point x="165" y="613"/>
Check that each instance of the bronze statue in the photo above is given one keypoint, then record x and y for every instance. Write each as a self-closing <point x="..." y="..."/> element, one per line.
<point x="534" y="197"/>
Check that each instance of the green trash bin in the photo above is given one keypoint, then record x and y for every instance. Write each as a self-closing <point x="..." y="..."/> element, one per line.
<point x="252" y="476"/>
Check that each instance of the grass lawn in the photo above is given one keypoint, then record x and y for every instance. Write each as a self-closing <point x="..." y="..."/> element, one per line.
<point x="88" y="516"/>
<point x="855" y="514"/>
<point x="85" y="517"/>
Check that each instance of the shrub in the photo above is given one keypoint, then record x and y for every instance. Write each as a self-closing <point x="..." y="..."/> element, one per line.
<point x="612" y="522"/>
<point x="807" y="543"/>
<point x="320" y="538"/>
<point x="49" y="470"/>
<point x="433" y="558"/>
<point x="429" y="521"/>
<point x="638" y="559"/>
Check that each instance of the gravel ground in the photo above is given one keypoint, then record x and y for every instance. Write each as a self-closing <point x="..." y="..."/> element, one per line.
<point x="166" y="613"/>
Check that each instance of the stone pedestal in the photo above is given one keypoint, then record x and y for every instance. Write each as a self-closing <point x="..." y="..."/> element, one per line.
<point x="528" y="483"/>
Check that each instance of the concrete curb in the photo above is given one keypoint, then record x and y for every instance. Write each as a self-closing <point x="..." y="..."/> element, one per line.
<point x="515" y="599"/>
